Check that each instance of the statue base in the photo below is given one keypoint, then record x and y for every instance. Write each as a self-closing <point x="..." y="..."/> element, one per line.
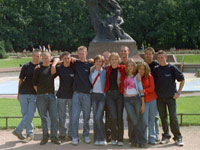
<point x="96" y="48"/>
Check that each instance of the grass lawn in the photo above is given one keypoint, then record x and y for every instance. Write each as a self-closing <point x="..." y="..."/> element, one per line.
<point x="13" y="62"/>
<point x="11" y="107"/>
<point x="189" y="59"/>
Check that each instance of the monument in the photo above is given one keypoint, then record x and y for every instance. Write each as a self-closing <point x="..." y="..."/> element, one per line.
<point x="106" y="20"/>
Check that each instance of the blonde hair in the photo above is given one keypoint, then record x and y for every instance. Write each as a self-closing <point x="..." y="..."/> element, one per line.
<point x="146" y="68"/>
<point x="161" y="52"/>
<point x="151" y="49"/>
<point x="46" y="54"/>
<point x="99" y="57"/>
<point x="114" y="54"/>
<point x="125" y="47"/>
<point x="82" y="48"/>
<point x="130" y="60"/>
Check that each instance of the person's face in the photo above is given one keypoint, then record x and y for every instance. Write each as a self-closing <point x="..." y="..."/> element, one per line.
<point x="82" y="54"/>
<point x="162" y="58"/>
<point x="36" y="56"/>
<point x="141" y="70"/>
<point x="46" y="59"/>
<point x="124" y="52"/>
<point x="106" y="58"/>
<point x="66" y="59"/>
<point x="114" y="61"/>
<point x="98" y="63"/>
<point x="130" y="67"/>
<point x="148" y="56"/>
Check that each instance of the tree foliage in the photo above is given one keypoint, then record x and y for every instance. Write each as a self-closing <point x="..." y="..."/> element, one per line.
<point x="65" y="24"/>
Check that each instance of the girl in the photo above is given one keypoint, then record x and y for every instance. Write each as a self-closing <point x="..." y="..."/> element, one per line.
<point x="134" y="103"/>
<point x="114" y="97"/>
<point x="97" y="79"/>
<point x="150" y="101"/>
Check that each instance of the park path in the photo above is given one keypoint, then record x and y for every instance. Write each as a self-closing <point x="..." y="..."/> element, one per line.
<point x="191" y="138"/>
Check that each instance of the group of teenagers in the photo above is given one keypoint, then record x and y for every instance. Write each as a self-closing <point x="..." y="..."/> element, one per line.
<point x="105" y="85"/>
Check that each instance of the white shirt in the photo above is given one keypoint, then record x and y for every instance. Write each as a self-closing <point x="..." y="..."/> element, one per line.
<point x="97" y="86"/>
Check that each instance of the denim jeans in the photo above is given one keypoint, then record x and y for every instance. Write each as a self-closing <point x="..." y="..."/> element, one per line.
<point x="169" y="103"/>
<point x="28" y="109"/>
<point x="149" y="120"/>
<point x="98" y="104"/>
<point x="133" y="106"/>
<point x="80" y="102"/>
<point x="157" y="124"/>
<point x="62" y="106"/>
<point x="115" y="103"/>
<point x="47" y="103"/>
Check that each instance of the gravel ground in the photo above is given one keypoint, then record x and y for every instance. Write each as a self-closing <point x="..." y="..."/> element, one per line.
<point x="191" y="138"/>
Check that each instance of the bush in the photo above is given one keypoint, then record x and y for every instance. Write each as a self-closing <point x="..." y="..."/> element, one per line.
<point x="8" y="46"/>
<point x="2" y="51"/>
<point x="198" y="73"/>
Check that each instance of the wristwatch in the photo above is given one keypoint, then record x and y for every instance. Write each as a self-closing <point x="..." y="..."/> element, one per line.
<point x="179" y="93"/>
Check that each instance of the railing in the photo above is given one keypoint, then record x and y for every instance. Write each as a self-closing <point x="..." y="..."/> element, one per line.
<point x="17" y="117"/>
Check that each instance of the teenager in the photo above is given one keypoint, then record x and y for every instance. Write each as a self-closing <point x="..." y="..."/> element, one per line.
<point x="81" y="97"/>
<point x="43" y="82"/>
<point x="97" y="79"/>
<point x="27" y="98"/>
<point x="64" y="95"/>
<point x="150" y="102"/>
<point x="149" y="55"/>
<point x="114" y="97"/>
<point x="134" y="103"/>
<point x="165" y="75"/>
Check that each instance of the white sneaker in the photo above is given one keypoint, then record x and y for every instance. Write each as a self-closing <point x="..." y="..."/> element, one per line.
<point x="114" y="142"/>
<point x="96" y="143"/>
<point x="179" y="142"/>
<point x="102" y="143"/>
<point x="28" y="138"/>
<point x="87" y="140"/>
<point x="164" y="140"/>
<point x="120" y="143"/>
<point x="74" y="141"/>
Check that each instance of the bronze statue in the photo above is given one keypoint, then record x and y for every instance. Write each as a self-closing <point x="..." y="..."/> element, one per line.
<point x="107" y="29"/>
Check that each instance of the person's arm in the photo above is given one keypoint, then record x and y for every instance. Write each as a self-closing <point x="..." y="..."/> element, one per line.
<point x="35" y="87"/>
<point x="36" y="79"/>
<point x="19" y="84"/>
<point x="141" y="91"/>
<point x="177" y="94"/>
<point x="151" y="88"/>
<point x="53" y="67"/>
<point x="142" y="110"/>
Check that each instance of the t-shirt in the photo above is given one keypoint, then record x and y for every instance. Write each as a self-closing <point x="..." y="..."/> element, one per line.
<point x="153" y="64"/>
<point x="97" y="86"/>
<point x="44" y="80"/>
<point x="165" y="77"/>
<point x="66" y="75"/>
<point x="81" y="81"/>
<point x="27" y="75"/>
<point x="130" y="86"/>
<point x="113" y="79"/>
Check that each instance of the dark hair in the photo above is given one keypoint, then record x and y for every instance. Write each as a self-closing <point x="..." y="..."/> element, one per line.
<point x="66" y="53"/>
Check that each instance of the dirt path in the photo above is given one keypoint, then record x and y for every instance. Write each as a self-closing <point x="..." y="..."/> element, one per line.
<point x="191" y="138"/>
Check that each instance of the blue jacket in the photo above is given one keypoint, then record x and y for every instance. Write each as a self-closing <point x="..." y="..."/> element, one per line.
<point x="102" y="77"/>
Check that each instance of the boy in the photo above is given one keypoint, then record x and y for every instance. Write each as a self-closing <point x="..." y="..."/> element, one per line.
<point x="64" y="94"/>
<point x="165" y="75"/>
<point x="81" y="96"/>
<point x="27" y="98"/>
<point x="43" y="82"/>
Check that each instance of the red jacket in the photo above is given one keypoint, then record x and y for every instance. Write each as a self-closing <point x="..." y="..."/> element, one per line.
<point x="149" y="88"/>
<point x="120" y="78"/>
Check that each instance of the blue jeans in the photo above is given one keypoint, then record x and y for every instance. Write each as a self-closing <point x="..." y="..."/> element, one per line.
<point x="169" y="103"/>
<point x="133" y="106"/>
<point x="149" y="120"/>
<point x="47" y="103"/>
<point x="98" y="104"/>
<point x="28" y="109"/>
<point x="80" y="102"/>
<point x="62" y="115"/>
<point x="115" y="103"/>
<point x="157" y="124"/>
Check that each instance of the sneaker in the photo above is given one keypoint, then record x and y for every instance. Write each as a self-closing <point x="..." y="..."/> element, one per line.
<point x="74" y="141"/>
<point x="44" y="141"/>
<point x="120" y="143"/>
<point x="87" y="139"/>
<point x="29" y="138"/>
<point x="96" y="143"/>
<point x="133" y="144"/>
<point x="55" y="141"/>
<point x="62" y="138"/>
<point x="18" y="135"/>
<point x="69" y="138"/>
<point x="164" y="140"/>
<point x="113" y="142"/>
<point x="102" y="143"/>
<point x="142" y="145"/>
<point x="179" y="142"/>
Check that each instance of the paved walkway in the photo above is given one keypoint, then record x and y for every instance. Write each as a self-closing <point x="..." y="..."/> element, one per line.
<point x="191" y="138"/>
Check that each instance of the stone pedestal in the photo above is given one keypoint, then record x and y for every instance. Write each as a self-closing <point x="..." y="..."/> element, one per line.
<point x="96" y="48"/>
